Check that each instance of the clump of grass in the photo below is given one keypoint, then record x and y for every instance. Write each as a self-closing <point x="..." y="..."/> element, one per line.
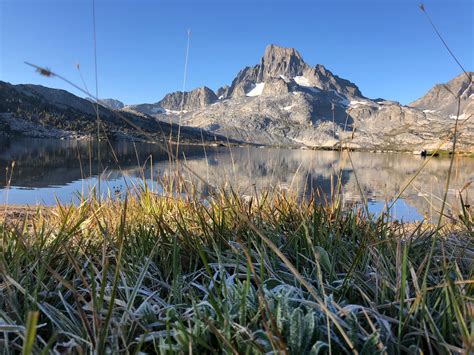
<point x="165" y="274"/>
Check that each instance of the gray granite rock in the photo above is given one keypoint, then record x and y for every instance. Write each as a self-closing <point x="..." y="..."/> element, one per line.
<point x="174" y="102"/>
<point x="189" y="101"/>
<point x="223" y="92"/>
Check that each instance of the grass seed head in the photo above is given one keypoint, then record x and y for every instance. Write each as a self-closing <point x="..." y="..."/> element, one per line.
<point x="45" y="72"/>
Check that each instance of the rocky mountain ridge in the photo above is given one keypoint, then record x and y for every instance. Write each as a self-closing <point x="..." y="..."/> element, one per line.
<point x="178" y="101"/>
<point x="443" y="98"/>
<point x="285" y="101"/>
<point x="282" y="100"/>
<point x="38" y="111"/>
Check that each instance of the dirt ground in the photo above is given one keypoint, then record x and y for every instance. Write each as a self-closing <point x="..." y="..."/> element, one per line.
<point x="15" y="213"/>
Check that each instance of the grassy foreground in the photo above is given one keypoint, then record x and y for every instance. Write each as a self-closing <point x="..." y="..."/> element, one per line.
<point x="269" y="274"/>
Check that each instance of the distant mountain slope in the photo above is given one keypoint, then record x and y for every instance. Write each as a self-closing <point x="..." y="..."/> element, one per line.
<point x="38" y="111"/>
<point x="442" y="98"/>
<point x="112" y="104"/>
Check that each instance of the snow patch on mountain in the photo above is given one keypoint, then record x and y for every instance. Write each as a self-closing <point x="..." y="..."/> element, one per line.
<point x="357" y="102"/>
<point x="175" y="112"/>
<point x="257" y="90"/>
<point x="302" y="81"/>
<point x="461" y="117"/>
<point x="156" y="110"/>
<point x="342" y="99"/>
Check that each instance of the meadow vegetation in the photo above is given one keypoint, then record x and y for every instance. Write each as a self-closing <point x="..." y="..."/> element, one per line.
<point x="174" y="273"/>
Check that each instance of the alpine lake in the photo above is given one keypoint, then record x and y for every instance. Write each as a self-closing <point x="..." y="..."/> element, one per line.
<point x="48" y="171"/>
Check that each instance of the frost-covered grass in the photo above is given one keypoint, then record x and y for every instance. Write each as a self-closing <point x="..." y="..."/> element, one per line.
<point x="161" y="274"/>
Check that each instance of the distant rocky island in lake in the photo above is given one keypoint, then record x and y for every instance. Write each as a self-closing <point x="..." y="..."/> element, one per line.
<point x="282" y="101"/>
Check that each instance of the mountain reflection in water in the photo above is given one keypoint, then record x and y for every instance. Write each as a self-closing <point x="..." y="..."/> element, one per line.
<point x="48" y="169"/>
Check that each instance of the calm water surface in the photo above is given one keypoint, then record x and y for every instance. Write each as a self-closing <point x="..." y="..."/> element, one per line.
<point x="46" y="170"/>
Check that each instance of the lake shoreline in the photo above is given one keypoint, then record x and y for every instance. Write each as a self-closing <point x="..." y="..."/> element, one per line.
<point x="72" y="136"/>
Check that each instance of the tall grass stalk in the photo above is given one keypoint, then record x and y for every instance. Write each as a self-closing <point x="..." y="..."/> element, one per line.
<point x="181" y="106"/>
<point x="94" y="31"/>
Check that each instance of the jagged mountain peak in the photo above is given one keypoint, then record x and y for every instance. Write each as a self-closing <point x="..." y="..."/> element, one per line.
<point x="276" y="51"/>
<point x="288" y="64"/>
<point x="280" y="61"/>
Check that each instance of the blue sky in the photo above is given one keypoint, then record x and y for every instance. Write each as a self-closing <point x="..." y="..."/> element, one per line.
<point x="386" y="47"/>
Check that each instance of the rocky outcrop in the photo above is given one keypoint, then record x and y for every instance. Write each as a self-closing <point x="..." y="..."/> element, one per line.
<point x="387" y="125"/>
<point x="324" y="79"/>
<point x="172" y="104"/>
<point x="189" y="101"/>
<point x="223" y="92"/>
<point x="276" y="86"/>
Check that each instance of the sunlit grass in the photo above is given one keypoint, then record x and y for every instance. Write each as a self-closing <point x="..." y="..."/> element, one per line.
<point x="179" y="274"/>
